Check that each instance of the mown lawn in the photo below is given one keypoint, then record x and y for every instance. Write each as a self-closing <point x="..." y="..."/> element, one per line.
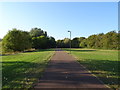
<point x="102" y="63"/>
<point x="0" y="47"/>
<point x="24" y="69"/>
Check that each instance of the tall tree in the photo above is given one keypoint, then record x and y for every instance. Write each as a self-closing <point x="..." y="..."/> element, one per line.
<point x="91" y="40"/>
<point x="110" y="40"/>
<point x="36" y="32"/>
<point x="59" y="43"/>
<point x="51" y="42"/>
<point x="75" y="42"/>
<point x="40" y="42"/>
<point x="66" y="42"/>
<point x="83" y="43"/>
<point x="16" y="40"/>
<point x="100" y="38"/>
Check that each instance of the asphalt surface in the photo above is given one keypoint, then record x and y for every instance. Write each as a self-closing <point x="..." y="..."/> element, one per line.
<point x="64" y="72"/>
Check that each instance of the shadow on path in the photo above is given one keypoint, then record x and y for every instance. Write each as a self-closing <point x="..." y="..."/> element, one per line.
<point x="64" y="72"/>
<point x="103" y="67"/>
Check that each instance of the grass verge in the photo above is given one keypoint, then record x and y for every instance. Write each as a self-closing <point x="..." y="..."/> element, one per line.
<point x="0" y="47"/>
<point x="102" y="63"/>
<point x="24" y="69"/>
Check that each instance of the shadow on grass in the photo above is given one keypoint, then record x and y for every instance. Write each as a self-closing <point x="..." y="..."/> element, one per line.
<point x="50" y="49"/>
<point x="108" y="71"/>
<point x="105" y="65"/>
<point x="19" y="71"/>
<point x="29" y="51"/>
<point x="79" y="50"/>
<point x="18" y="74"/>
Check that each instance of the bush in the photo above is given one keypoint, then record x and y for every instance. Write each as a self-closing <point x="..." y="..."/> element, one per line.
<point x="39" y="42"/>
<point x="16" y="40"/>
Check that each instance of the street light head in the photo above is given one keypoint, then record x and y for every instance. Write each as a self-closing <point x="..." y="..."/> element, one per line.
<point x="68" y="31"/>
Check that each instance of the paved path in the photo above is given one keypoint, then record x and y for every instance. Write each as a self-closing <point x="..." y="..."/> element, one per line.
<point x="64" y="72"/>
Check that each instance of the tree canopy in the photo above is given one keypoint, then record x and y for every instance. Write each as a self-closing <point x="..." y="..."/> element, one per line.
<point x="36" y="32"/>
<point x="16" y="40"/>
<point x="100" y="41"/>
<point x="40" y="40"/>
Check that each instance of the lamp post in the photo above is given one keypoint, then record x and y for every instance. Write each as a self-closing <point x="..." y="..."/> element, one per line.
<point x="70" y="40"/>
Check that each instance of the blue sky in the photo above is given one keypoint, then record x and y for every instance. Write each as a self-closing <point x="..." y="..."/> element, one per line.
<point x="81" y="18"/>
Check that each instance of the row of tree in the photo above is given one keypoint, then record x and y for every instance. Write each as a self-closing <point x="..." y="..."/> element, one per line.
<point x="18" y="40"/>
<point x="100" y="41"/>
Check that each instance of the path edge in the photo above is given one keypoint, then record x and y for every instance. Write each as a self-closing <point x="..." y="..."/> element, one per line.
<point x="48" y="59"/>
<point x="76" y="60"/>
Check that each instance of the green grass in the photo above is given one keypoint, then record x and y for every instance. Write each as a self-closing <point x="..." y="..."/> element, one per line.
<point x="0" y="47"/>
<point x="24" y="69"/>
<point x="102" y="63"/>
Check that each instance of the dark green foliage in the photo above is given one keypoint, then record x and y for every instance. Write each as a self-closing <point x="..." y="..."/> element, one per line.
<point x="26" y="40"/>
<point x="102" y="41"/>
<point x="36" y="32"/>
<point x="99" y="41"/>
<point x="76" y="41"/>
<point x="119" y="40"/>
<point x="91" y="40"/>
<point x="109" y="40"/>
<point x="60" y="43"/>
<point x="16" y="40"/>
<point x="83" y="44"/>
<point x="81" y="39"/>
<point x="51" y="42"/>
<point x="66" y="42"/>
<point x="39" y="42"/>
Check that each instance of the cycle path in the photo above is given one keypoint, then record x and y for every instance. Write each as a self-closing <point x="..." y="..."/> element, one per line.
<point x="64" y="71"/>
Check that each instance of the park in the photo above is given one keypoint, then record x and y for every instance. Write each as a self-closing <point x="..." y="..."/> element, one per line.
<point x="58" y="64"/>
<point x="59" y="46"/>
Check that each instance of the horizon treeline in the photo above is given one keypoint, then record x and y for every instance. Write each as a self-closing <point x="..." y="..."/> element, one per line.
<point x="96" y="41"/>
<point x="19" y="40"/>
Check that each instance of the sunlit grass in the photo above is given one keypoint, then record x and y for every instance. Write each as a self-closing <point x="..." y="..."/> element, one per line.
<point x="24" y="69"/>
<point x="102" y="63"/>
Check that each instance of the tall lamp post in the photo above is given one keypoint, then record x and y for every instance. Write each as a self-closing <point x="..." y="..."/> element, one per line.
<point x="70" y="40"/>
